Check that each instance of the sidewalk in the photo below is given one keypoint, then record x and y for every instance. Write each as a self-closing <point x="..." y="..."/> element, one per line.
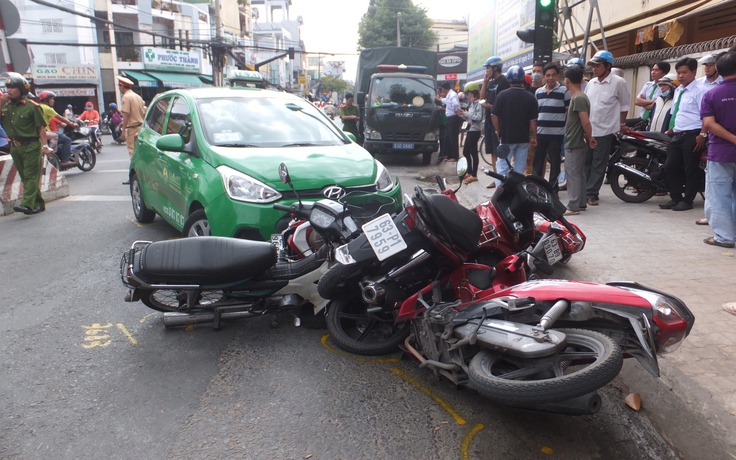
<point x="693" y="403"/>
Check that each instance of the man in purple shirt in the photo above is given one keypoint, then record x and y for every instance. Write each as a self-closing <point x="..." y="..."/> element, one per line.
<point x="717" y="111"/>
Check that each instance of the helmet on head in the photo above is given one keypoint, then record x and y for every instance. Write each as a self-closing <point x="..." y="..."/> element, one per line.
<point x="494" y="61"/>
<point x="667" y="81"/>
<point x="471" y="86"/>
<point x="89" y="106"/>
<point x="515" y="74"/>
<point x="68" y="106"/>
<point x="126" y="82"/>
<point x="113" y="106"/>
<point x="707" y="59"/>
<point x="575" y="61"/>
<point x="602" y="56"/>
<point x="16" y="80"/>
<point x="46" y="95"/>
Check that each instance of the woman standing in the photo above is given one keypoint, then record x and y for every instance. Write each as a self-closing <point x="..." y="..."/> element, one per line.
<point x="661" y="110"/>
<point x="474" y="116"/>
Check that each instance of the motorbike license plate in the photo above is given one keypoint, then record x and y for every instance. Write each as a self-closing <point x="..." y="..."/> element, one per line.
<point x="403" y="146"/>
<point x="552" y="249"/>
<point x="384" y="237"/>
<point x="277" y="240"/>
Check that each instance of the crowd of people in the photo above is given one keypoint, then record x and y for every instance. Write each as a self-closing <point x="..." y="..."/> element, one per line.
<point x="575" y="111"/>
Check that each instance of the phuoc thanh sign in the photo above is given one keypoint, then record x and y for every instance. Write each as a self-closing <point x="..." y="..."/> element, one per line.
<point x="171" y="60"/>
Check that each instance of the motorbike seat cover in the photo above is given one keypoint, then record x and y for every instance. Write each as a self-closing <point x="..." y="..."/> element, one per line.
<point x="657" y="136"/>
<point x="463" y="225"/>
<point x="204" y="260"/>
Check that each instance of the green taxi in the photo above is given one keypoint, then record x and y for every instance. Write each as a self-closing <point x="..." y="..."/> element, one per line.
<point x="207" y="161"/>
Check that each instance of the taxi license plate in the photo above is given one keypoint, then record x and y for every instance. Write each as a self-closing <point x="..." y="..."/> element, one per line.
<point x="552" y="250"/>
<point x="403" y="146"/>
<point x="384" y="237"/>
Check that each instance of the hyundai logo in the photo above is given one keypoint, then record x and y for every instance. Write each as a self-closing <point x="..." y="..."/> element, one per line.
<point x="334" y="193"/>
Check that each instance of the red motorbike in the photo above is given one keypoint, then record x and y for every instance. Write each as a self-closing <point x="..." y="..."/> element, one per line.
<point x="476" y="320"/>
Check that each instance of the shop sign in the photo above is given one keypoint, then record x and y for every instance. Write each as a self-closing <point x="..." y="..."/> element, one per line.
<point x="73" y="92"/>
<point x="64" y="73"/>
<point x="171" y="60"/>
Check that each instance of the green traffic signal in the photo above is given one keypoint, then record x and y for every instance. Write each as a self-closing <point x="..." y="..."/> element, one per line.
<point x="545" y="3"/>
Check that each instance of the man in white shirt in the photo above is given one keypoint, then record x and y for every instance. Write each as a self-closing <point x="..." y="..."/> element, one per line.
<point x="711" y="77"/>
<point x="650" y="92"/>
<point x="682" y="167"/>
<point x="609" y="103"/>
<point x="452" y="108"/>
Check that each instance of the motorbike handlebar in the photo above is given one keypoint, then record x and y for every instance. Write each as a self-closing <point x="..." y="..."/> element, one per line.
<point x="440" y="182"/>
<point x="282" y="207"/>
<point x="494" y="174"/>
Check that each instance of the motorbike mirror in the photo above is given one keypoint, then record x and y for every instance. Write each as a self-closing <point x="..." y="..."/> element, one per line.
<point x="462" y="167"/>
<point x="503" y="151"/>
<point x="284" y="174"/>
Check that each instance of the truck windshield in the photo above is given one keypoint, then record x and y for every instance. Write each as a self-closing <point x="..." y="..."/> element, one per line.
<point x="395" y="91"/>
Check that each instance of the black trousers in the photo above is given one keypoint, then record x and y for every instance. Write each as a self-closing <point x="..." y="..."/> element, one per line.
<point x="547" y="148"/>
<point x="682" y="167"/>
<point x="470" y="151"/>
<point x="452" y="131"/>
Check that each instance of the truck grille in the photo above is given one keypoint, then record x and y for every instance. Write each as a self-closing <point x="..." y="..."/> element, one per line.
<point x="402" y="137"/>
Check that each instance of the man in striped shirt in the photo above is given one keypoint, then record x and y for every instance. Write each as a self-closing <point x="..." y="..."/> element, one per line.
<point x="553" y="99"/>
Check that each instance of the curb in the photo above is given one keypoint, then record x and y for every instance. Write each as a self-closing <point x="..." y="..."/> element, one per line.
<point x="53" y="184"/>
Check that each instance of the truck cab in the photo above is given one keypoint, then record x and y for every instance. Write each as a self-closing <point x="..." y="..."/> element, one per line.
<point x="398" y="113"/>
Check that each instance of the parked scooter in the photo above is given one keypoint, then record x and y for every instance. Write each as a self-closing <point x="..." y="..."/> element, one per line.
<point x="209" y="279"/>
<point x="545" y="345"/>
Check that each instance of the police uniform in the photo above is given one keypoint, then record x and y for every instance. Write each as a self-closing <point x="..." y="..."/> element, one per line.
<point x="21" y="122"/>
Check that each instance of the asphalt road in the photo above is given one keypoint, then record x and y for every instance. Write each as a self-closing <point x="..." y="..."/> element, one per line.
<point x="85" y="374"/>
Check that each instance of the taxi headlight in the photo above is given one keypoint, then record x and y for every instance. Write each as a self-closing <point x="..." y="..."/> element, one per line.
<point x="385" y="182"/>
<point x="242" y="187"/>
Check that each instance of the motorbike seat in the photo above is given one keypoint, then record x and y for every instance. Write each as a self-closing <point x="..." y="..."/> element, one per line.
<point x="204" y="260"/>
<point x="462" y="225"/>
<point x="657" y="136"/>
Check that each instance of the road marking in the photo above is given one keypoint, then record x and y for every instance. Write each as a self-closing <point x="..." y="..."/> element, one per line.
<point x="465" y="446"/>
<point x="97" y="198"/>
<point x="112" y="161"/>
<point x="403" y="375"/>
<point x="127" y="333"/>
<point x="96" y="335"/>
<point x="112" y="170"/>
<point x="360" y="360"/>
<point x="143" y="320"/>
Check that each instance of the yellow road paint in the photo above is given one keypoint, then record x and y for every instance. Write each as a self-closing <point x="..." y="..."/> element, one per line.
<point x="465" y="446"/>
<point x="127" y="333"/>
<point x="356" y="358"/>
<point x="428" y="392"/>
<point x="143" y="320"/>
<point x="548" y="450"/>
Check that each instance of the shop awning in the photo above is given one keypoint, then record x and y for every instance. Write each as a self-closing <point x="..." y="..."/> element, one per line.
<point x="177" y="80"/>
<point x="143" y="80"/>
<point x="207" y="79"/>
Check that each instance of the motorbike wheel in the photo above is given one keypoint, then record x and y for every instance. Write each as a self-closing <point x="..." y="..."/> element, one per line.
<point x="486" y="157"/>
<point x="357" y="331"/>
<point x="54" y="160"/>
<point x="197" y="224"/>
<point x="631" y="193"/>
<point x="589" y="361"/>
<point x="176" y="301"/>
<point x="142" y="213"/>
<point x="86" y="159"/>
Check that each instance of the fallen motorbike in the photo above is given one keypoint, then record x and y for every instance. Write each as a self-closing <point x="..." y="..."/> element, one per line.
<point x="545" y="345"/>
<point x="208" y="279"/>
<point x="83" y="155"/>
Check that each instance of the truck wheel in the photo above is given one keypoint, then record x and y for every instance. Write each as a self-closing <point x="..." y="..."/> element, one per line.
<point x="426" y="158"/>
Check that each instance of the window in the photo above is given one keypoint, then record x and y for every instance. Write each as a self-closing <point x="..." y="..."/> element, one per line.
<point x="179" y="120"/>
<point x="155" y="119"/>
<point x="51" y="26"/>
<point x="55" y="58"/>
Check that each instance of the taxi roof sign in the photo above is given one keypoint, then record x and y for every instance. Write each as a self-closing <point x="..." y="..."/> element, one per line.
<point x="246" y="78"/>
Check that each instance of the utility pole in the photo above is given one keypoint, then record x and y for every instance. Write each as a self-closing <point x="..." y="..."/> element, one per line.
<point x="398" y="28"/>
<point x="217" y="50"/>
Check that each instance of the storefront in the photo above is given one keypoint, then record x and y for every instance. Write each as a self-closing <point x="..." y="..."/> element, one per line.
<point x="72" y="84"/>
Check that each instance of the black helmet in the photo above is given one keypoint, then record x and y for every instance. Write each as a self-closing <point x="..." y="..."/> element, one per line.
<point x="16" y="80"/>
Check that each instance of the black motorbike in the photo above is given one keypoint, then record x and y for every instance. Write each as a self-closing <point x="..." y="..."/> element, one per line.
<point x="637" y="166"/>
<point x="84" y="155"/>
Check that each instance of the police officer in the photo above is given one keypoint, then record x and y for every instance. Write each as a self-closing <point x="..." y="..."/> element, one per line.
<point x="26" y="128"/>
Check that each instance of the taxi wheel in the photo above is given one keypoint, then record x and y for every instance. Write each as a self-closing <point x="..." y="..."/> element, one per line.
<point x="142" y="213"/>
<point x="197" y="224"/>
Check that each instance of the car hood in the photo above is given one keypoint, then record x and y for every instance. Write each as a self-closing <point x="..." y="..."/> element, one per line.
<point x="309" y="167"/>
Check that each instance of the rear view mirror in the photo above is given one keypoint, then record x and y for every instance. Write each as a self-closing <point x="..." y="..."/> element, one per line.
<point x="284" y="174"/>
<point x="462" y="167"/>
<point x="171" y="143"/>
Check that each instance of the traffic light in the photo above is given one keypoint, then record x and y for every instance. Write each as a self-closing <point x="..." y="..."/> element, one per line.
<point x="544" y="28"/>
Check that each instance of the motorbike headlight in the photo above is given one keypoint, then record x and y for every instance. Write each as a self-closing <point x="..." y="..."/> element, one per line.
<point x="242" y="187"/>
<point x="385" y="182"/>
<point x="342" y="255"/>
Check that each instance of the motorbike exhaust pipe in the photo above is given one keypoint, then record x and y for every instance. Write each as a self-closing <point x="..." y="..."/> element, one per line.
<point x="172" y="319"/>
<point x="588" y="404"/>
<point x="632" y="173"/>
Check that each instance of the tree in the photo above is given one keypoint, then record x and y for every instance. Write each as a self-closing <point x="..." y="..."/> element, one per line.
<point x="333" y="83"/>
<point x="378" y="25"/>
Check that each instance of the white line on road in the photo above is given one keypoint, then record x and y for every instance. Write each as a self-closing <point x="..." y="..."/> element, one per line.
<point x="97" y="198"/>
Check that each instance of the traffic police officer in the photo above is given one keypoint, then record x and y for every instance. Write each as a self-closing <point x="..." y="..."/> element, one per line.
<point x="23" y="121"/>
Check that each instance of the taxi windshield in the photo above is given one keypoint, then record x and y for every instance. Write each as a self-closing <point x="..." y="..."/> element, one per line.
<point x="266" y="122"/>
